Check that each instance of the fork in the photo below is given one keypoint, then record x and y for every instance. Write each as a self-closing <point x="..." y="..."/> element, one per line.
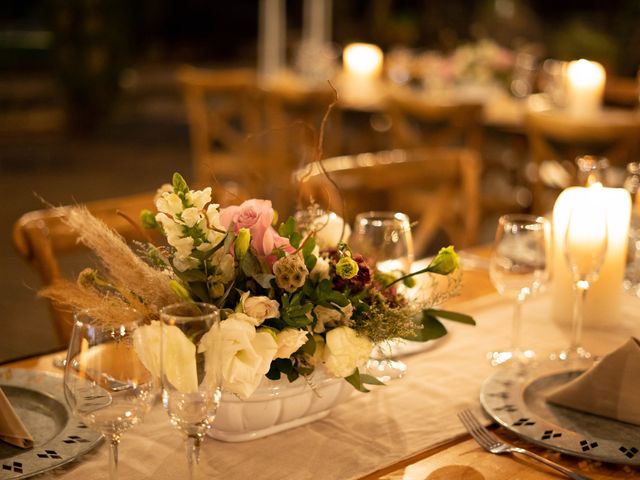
<point x="493" y="444"/>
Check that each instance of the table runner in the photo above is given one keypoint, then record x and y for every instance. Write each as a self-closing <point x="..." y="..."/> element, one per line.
<point x="369" y="431"/>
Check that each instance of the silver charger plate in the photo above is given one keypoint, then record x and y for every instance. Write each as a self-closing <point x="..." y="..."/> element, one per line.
<point x="516" y="399"/>
<point x="59" y="438"/>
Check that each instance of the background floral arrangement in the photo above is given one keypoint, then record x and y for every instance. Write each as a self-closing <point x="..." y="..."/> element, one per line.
<point x="291" y="299"/>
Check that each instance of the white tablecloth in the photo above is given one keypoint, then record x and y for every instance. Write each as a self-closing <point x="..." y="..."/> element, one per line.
<point x="370" y="431"/>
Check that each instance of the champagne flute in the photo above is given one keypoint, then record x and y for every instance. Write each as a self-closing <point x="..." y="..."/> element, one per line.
<point x="191" y="375"/>
<point x="105" y="383"/>
<point x="585" y="244"/>
<point x="384" y="238"/>
<point x="519" y="268"/>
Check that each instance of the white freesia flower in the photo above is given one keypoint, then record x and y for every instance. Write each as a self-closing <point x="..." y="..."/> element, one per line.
<point x="169" y="225"/>
<point x="183" y="245"/>
<point x="191" y="216"/>
<point x="243" y="355"/>
<point x="259" y="307"/>
<point x="320" y="270"/>
<point x="345" y="351"/>
<point x="329" y="228"/>
<point x="182" y="264"/>
<point x="179" y="354"/>
<point x="169" y="203"/>
<point x="290" y="340"/>
<point x="199" y="198"/>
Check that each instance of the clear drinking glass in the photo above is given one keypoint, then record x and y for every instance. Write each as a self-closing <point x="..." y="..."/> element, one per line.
<point x="519" y="268"/>
<point x="585" y="244"/>
<point x="105" y="383"/>
<point x="191" y="374"/>
<point x="384" y="239"/>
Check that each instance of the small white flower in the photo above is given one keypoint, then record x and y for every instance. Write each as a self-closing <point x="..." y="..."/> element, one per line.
<point x="345" y="351"/>
<point x="182" y="264"/>
<point x="259" y="307"/>
<point x="191" y="216"/>
<point x="289" y="341"/>
<point x="331" y="317"/>
<point x="183" y="245"/>
<point x="169" y="203"/>
<point x="320" y="270"/>
<point x="199" y="198"/>
<point x="169" y="225"/>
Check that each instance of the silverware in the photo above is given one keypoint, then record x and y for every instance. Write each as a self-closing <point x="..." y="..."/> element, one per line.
<point x="493" y="444"/>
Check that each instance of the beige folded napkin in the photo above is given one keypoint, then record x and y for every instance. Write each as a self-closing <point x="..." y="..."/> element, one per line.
<point x="611" y="388"/>
<point x="12" y="430"/>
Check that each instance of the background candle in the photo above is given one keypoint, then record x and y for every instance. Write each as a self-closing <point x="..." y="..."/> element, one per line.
<point x="585" y="87"/>
<point x="603" y="301"/>
<point x="362" y="67"/>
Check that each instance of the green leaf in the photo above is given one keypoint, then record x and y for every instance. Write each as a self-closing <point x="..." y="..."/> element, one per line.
<point x="356" y="380"/>
<point x="250" y="265"/>
<point x="370" y="379"/>
<point x="264" y="279"/>
<point x="193" y="275"/>
<point x="287" y="228"/>
<point x="431" y="329"/>
<point x="309" y="245"/>
<point x="336" y="297"/>
<point x="294" y="239"/>
<point x="310" y="345"/>
<point x="310" y="262"/>
<point x="453" y="316"/>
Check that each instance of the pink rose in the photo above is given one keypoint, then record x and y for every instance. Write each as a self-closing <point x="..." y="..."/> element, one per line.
<point x="256" y="215"/>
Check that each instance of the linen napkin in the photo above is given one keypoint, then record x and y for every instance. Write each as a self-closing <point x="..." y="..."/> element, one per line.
<point x="610" y="388"/>
<point x="12" y="430"/>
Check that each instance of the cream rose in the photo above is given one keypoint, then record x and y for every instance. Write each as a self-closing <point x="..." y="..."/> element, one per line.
<point x="259" y="307"/>
<point x="331" y="317"/>
<point x="345" y="351"/>
<point x="240" y="354"/>
<point x="290" y="340"/>
<point x="320" y="270"/>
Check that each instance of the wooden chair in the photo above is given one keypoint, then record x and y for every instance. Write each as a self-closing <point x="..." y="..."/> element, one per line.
<point x="556" y="136"/>
<point x="42" y="238"/>
<point x="440" y="188"/>
<point x="225" y="122"/>
<point x="420" y="122"/>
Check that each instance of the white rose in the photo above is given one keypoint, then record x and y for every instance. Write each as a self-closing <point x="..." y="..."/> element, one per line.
<point x="259" y="307"/>
<point x="199" y="198"/>
<point x="242" y="355"/>
<point x="290" y="340"/>
<point x="179" y="354"/>
<point x="191" y="216"/>
<point x="331" y="317"/>
<point x="169" y="203"/>
<point x="345" y="351"/>
<point x="320" y="270"/>
<point x="246" y="318"/>
<point x="329" y="228"/>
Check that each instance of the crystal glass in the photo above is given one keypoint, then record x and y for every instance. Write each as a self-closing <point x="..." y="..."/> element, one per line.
<point x="632" y="271"/>
<point x="191" y="375"/>
<point x="384" y="239"/>
<point x="105" y="383"/>
<point x="585" y="244"/>
<point x="519" y="268"/>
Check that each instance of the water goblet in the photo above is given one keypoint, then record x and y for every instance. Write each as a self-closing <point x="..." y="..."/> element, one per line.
<point x="585" y="246"/>
<point x="519" y="268"/>
<point x="384" y="238"/>
<point x="105" y="383"/>
<point x="191" y="375"/>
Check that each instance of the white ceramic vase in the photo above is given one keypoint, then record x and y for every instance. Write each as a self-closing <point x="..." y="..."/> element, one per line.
<point x="278" y="405"/>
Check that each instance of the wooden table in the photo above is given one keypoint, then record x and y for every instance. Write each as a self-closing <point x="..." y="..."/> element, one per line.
<point x="461" y="459"/>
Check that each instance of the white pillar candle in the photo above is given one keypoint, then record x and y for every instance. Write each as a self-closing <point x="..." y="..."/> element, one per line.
<point x="585" y="87"/>
<point x="362" y="67"/>
<point x="603" y="300"/>
<point x="271" y="38"/>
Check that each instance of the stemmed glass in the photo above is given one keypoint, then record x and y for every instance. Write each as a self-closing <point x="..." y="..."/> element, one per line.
<point x="191" y="374"/>
<point x="585" y="244"/>
<point x="384" y="238"/>
<point x="105" y="383"/>
<point x="519" y="268"/>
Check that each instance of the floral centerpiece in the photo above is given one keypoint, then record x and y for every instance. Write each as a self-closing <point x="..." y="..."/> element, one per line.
<point x="292" y="298"/>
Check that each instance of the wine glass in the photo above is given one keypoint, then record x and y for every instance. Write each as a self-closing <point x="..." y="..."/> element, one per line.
<point x="384" y="239"/>
<point x="105" y="383"/>
<point x="191" y="374"/>
<point x="585" y="244"/>
<point x="519" y="268"/>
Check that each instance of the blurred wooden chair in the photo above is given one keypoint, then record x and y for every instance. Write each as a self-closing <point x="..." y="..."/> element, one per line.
<point x="440" y="188"/>
<point x="556" y="137"/>
<point x="225" y="122"/>
<point x="42" y="238"/>
<point x="420" y="122"/>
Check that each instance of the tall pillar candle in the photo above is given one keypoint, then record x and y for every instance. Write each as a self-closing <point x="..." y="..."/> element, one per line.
<point x="362" y="67"/>
<point x="585" y="87"/>
<point x="603" y="301"/>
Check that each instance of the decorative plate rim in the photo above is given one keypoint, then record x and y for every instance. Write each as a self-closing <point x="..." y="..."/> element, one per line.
<point x="70" y="442"/>
<point x="502" y="397"/>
